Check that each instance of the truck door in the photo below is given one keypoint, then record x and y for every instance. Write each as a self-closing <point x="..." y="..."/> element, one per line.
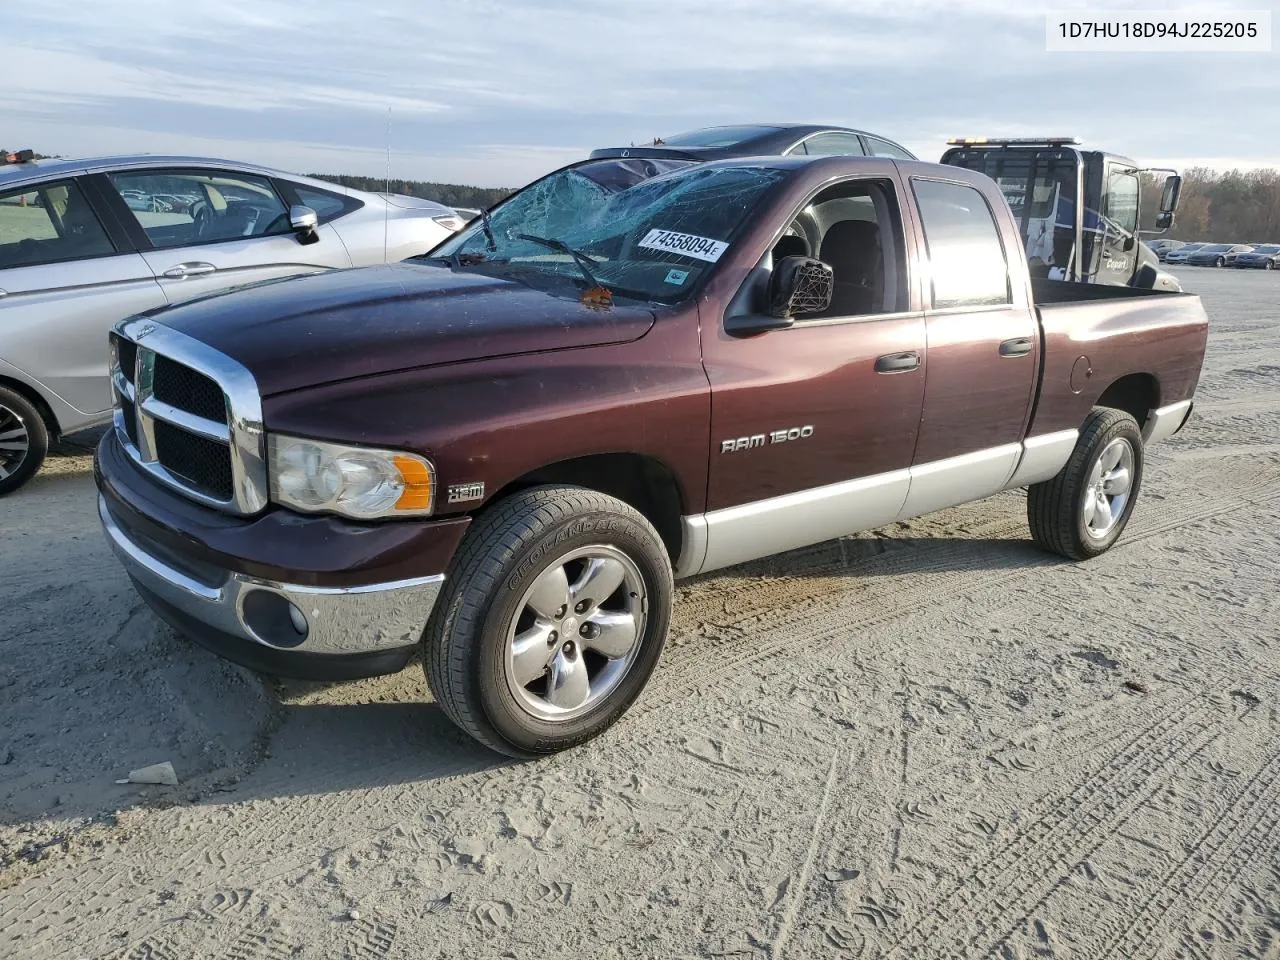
<point x="813" y="426"/>
<point x="983" y="343"/>
<point x="1117" y="230"/>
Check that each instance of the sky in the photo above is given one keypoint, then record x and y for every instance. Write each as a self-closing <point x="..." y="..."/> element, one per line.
<point x="497" y="92"/>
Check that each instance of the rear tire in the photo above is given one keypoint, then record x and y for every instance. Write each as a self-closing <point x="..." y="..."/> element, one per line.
<point x="1082" y="511"/>
<point x="520" y="652"/>
<point x="24" y="441"/>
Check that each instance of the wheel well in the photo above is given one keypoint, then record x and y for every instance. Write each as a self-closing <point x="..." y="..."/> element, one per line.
<point x="37" y="401"/>
<point x="1136" y="394"/>
<point x="642" y="482"/>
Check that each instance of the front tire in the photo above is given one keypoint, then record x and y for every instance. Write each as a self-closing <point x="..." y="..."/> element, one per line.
<point x="24" y="441"/>
<point x="1269" y="265"/>
<point x="1220" y="262"/>
<point x="1082" y="511"/>
<point x="552" y="618"/>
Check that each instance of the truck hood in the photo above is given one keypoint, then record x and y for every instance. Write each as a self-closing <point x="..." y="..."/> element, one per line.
<point x="306" y="331"/>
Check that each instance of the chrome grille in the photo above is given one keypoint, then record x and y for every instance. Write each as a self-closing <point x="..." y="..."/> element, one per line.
<point x="189" y="415"/>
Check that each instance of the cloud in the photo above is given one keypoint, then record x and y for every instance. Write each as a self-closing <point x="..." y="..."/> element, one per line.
<point x="497" y="89"/>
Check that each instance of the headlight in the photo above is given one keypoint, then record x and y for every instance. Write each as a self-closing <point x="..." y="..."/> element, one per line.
<point x="360" y="482"/>
<point x="450" y="222"/>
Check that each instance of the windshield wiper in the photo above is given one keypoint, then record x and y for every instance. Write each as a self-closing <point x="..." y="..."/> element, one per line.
<point x="584" y="262"/>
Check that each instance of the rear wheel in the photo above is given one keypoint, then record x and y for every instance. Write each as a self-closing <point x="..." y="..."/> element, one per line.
<point x="1082" y="511"/>
<point x="24" y="441"/>
<point x="552" y="619"/>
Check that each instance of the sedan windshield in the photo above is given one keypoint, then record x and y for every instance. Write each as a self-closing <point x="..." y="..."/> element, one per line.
<point x="648" y="229"/>
<point x="1268" y="248"/>
<point x="1214" y="248"/>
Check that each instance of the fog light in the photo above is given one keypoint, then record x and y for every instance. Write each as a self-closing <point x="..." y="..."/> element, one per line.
<point x="272" y="619"/>
<point x="298" y="620"/>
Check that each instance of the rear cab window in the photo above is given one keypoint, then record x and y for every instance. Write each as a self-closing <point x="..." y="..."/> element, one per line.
<point x="966" y="257"/>
<point x="49" y="223"/>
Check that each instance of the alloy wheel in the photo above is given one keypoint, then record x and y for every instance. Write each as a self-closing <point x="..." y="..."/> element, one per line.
<point x="576" y="633"/>
<point x="15" y="441"/>
<point x="1107" y="493"/>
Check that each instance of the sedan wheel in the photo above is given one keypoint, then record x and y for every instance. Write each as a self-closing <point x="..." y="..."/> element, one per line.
<point x="24" y="441"/>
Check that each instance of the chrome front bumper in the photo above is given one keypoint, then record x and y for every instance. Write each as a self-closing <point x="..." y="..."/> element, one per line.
<point x="286" y="618"/>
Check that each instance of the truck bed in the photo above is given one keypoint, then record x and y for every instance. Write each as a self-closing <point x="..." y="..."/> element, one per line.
<point x="1097" y="334"/>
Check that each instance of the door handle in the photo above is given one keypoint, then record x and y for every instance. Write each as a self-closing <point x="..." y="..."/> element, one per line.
<point x="193" y="269"/>
<point x="897" y="362"/>
<point x="1017" y="347"/>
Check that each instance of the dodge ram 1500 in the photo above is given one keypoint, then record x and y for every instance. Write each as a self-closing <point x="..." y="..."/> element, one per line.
<point x="632" y="370"/>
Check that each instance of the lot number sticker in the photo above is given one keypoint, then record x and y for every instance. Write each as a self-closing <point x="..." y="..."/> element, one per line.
<point x="701" y="248"/>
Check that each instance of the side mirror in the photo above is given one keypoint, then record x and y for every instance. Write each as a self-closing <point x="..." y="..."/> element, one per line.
<point x="800" y="285"/>
<point x="304" y="222"/>
<point x="1169" y="196"/>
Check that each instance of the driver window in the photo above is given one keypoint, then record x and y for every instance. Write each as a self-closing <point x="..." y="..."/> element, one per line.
<point x="179" y="208"/>
<point x="855" y="229"/>
<point x="1122" y="200"/>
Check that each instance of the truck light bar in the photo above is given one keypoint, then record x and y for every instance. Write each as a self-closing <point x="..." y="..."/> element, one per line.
<point x="1012" y="141"/>
<point x="18" y="156"/>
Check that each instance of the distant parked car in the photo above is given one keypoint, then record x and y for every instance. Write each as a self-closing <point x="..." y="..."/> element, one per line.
<point x="1265" y="256"/>
<point x="759" y="140"/>
<point x="1182" y="253"/>
<point x="84" y="243"/>
<point x="1161" y="245"/>
<point x="1216" y="254"/>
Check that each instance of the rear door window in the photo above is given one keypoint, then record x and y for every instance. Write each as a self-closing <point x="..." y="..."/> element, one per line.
<point x="182" y="208"/>
<point x="966" y="258"/>
<point x="832" y="145"/>
<point x="48" y="224"/>
<point x="883" y="148"/>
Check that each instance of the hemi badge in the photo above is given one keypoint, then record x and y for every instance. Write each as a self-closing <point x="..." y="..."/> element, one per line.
<point x="463" y="492"/>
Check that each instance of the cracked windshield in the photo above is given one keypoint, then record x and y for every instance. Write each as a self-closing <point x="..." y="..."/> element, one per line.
<point x="641" y="228"/>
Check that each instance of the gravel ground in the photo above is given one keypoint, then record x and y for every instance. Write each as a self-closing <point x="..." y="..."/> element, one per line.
<point x="930" y="740"/>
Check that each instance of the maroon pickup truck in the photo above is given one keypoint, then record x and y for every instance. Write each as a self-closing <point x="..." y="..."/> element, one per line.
<point x="632" y="370"/>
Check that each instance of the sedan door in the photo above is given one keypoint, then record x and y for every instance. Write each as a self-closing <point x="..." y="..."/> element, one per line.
<point x="204" y="231"/>
<point x="66" y="275"/>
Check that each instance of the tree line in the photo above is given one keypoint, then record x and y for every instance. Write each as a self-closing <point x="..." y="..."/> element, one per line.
<point x="1231" y="206"/>
<point x="450" y="194"/>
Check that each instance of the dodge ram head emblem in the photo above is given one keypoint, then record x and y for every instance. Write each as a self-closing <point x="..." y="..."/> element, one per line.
<point x="760" y="439"/>
<point x="464" y="492"/>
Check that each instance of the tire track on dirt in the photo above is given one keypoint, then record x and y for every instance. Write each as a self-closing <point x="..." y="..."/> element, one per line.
<point x="1021" y="873"/>
<point x="1251" y="814"/>
<point x="954" y="564"/>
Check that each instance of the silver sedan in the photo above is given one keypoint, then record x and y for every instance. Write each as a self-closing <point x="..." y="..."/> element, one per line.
<point x="84" y="243"/>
